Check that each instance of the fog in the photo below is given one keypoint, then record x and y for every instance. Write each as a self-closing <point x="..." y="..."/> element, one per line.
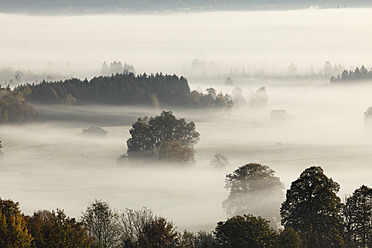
<point x="47" y="165"/>
<point x="271" y="40"/>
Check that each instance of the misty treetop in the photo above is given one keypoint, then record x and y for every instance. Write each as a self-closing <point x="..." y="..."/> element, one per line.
<point x="164" y="138"/>
<point x="219" y="161"/>
<point x="115" y="68"/>
<point x="126" y="89"/>
<point x="254" y="189"/>
<point x="359" y="74"/>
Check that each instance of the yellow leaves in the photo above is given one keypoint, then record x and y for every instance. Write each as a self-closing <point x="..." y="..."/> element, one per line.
<point x="13" y="231"/>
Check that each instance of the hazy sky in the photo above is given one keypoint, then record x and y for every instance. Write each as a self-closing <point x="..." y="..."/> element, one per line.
<point x="167" y="42"/>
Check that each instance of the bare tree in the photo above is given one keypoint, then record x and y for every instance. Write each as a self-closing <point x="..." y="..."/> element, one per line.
<point x="133" y="221"/>
<point x="102" y="224"/>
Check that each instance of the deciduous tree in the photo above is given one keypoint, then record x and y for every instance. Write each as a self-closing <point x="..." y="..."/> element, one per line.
<point x="132" y="223"/>
<point x="357" y="214"/>
<point x="312" y="208"/>
<point x="13" y="230"/>
<point x="54" y="229"/>
<point x="102" y="224"/>
<point x="162" y="137"/>
<point x="245" y="232"/>
<point x="158" y="233"/>
<point x="254" y="189"/>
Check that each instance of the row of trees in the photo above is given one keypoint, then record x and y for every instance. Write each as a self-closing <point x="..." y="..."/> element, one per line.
<point x="43" y="229"/>
<point x="137" y="228"/>
<point x="361" y="74"/>
<point x="100" y="227"/>
<point x="14" y="76"/>
<point x="127" y="6"/>
<point x="312" y="215"/>
<point x="126" y="89"/>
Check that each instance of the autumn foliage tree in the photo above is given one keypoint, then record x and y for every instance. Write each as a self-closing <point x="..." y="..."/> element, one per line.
<point x="158" y="233"/>
<point x="13" y="229"/>
<point x="173" y="151"/>
<point x="54" y="229"/>
<point x="13" y="106"/>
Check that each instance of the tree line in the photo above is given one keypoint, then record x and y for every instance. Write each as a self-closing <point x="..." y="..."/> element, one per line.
<point x="120" y="89"/>
<point x="126" y="89"/>
<point x="312" y="215"/>
<point x="359" y="74"/>
<point x="120" y="6"/>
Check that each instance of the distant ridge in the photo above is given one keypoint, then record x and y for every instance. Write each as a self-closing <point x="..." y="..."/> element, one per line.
<point x="158" y="6"/>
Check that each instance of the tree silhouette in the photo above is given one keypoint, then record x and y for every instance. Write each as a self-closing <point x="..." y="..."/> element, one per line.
<point x="312" y="208"/>
<point x="245" y="232"/>
<point x="357" y="214"/>
<point x="254" y="189"/>
<point x="158" y="233"/>
<point x="163" y="137"/>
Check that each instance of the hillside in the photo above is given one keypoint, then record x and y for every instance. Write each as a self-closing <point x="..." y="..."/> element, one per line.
<point x="123" y="6"/>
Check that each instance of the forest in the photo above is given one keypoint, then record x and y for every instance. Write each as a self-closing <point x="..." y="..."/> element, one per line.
<point x="126" y="89"/>
<point x="121" y="89"/>
<point x="312" y="215"/>
<point x="358" y="75"/>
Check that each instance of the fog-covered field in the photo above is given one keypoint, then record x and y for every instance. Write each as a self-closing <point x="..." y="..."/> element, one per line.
<point x="47" y="165"/>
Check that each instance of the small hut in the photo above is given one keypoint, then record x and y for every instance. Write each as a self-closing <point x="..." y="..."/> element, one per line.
<point x="93" y="132"/>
